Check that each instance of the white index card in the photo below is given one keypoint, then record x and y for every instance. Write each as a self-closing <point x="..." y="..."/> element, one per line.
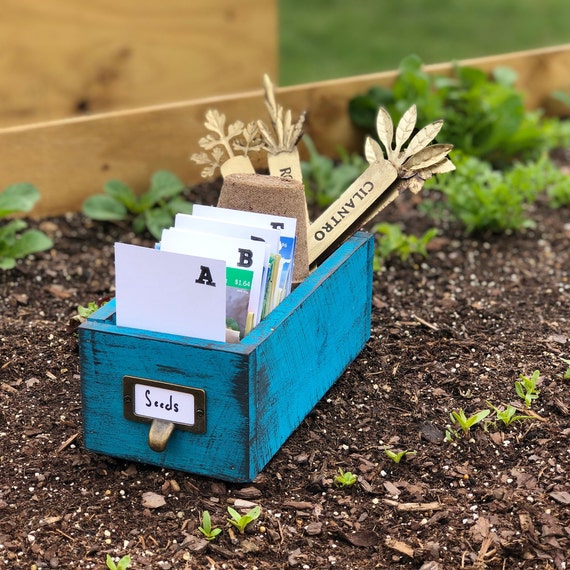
<point x="170" y="292"/>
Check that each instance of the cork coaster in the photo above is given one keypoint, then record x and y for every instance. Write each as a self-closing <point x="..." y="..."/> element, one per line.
<point x="271" y="195"/>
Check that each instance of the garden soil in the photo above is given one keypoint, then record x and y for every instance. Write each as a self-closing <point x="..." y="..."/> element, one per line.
<point x="450" y="332"/>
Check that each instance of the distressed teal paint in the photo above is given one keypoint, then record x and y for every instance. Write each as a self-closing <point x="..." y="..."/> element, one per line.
<point x="257" y="391"/>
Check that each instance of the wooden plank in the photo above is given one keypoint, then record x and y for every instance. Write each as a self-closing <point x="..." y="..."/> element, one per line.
<point x="62" y="58"/>
<point x="70" y="159"/>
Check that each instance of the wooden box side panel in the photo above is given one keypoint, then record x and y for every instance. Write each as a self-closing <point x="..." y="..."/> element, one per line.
<point x="63" y="58"/>
<point x="107" y="355"/>
<point x="311" y="347"/>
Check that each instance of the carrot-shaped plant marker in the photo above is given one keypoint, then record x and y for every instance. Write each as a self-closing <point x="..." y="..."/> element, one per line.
<point x="229" y="149"/>
<point x="393" y="169"/>
<point x="281" y="144"/>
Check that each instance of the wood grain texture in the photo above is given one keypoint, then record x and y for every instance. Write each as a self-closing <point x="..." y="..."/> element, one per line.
<point x="336" y="223"/>
<point x="257" y="391"/>
<point x="71" y="159"/>
<point x="63" y="58"/>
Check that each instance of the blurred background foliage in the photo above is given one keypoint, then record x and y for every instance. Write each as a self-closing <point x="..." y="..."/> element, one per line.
<point x="326" y="39"/>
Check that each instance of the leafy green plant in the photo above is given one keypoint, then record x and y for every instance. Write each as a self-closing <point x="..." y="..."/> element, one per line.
<point x="562" y="96"/>
<point x="16" y="242"/>
<point x="527" y="389"/>
<point x="556" y="131"/>
<point x="393" y="241"/>
<point x="465" y="423"/>
<point x="83" y="313"/>
<point x="567" y="373"/>
<point x="92" y="306"/>
<point x="86" y="312"/>
<point x="206" y="529"/>
<point x="485" y="199"/>
<point x="325" y="179"/>
<point x="241" y="521"/>
<point x="154" y="210"/>
<point x="345" y="478"/>
<point x="508" y="415"/>
<point x="557" y="185"/>
<point x="484" y="114"/>
<point x="396" y="457"/>
<point x="123" y="563"/>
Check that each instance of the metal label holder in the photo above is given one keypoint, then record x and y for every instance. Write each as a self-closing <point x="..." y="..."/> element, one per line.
<point x="165" y="407"/>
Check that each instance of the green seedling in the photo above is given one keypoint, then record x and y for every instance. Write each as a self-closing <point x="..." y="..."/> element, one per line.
<point x="394" y="242"/>
<point x="508" y="415"/>
<point x="451" y="434"/>
<point x="567" y="373"/>
<point x="86" y="312"/>
<point x="123" y="563"/>
<point x="345" y="478"/>
<point x="397" y="457"/>
<point x="466" y="423"/>
<point x="206" y="529"/>
<point x="83" y="313"/>
<point x="17" y="242"/>
<point x="526" y="388"/>
<point x="241" y="521"/>
<point x="154" y="210"/>
<point x="486" y="199"/>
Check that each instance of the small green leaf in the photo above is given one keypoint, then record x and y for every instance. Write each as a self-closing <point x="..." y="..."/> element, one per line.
<point x="123" y="193"/>
<point x="505" y="76"/>
<point x="156" y="220"/>
<point x="179" y="206"/>
<point x="163" y="185"/>
<point x="124" y="563"/>
<point x="345" y="478"/>
<point x="31" y="241"/>
<point x="239" y="521"/>
<point x="103" y="207"/>
<point x="86" y="312"/>
<point x="8" y="231"/>
<point x="18" y="198"/>
<point x="7" y="263"/>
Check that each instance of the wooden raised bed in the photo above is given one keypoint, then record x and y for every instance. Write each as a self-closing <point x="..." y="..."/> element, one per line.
<point x="63" y="58"/>
<point x="70" y="159"/>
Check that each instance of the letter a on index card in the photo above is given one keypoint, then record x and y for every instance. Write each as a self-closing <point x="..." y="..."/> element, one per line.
<point x="170" y="293"/>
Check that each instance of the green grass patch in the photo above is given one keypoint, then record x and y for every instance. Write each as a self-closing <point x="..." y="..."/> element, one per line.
<point x="325" y="39"/>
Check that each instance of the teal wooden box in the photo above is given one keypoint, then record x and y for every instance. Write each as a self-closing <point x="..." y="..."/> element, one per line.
<point x="256" y="392"/>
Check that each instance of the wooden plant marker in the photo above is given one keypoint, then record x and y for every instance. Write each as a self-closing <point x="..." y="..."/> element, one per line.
<point x="382" y="181"/>
<point x="229" y="149"/>
<point x="344" y="217"/>
<point x="282" y="154"/>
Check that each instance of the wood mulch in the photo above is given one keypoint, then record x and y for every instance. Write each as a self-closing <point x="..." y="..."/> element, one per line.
<point x="449" y="332"/>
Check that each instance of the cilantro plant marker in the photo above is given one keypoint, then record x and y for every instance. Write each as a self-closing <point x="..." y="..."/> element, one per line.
<point x="394" y="167"/>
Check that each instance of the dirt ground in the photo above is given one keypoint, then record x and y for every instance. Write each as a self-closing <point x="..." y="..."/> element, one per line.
<point x="450" y="332"/>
